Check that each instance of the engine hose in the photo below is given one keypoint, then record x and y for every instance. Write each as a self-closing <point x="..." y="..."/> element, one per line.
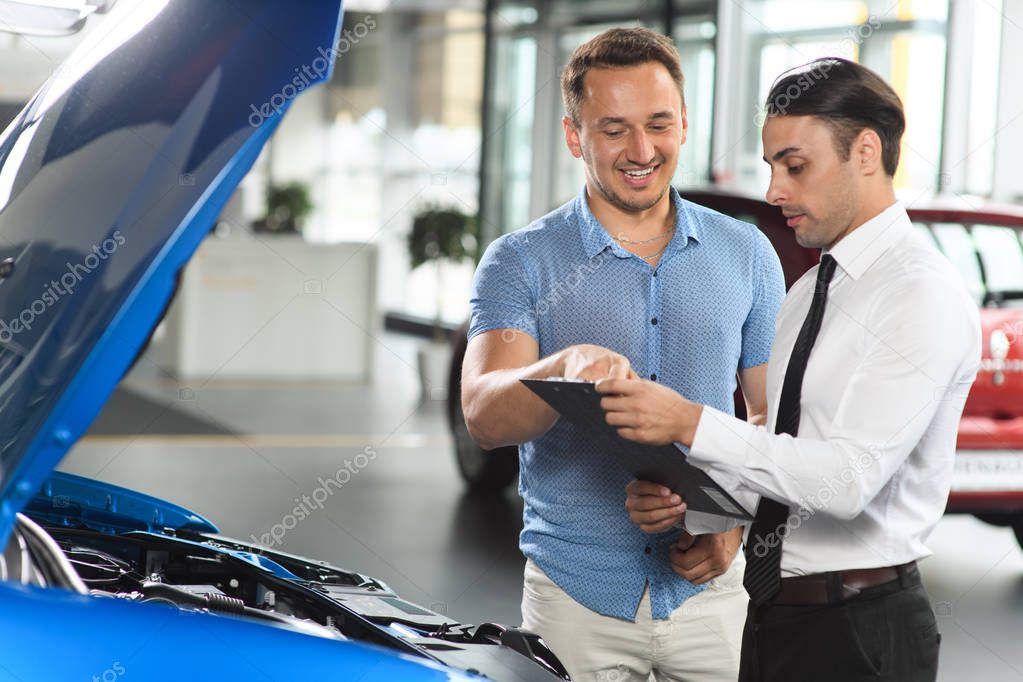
<point x="164" y="593"/>
<point x="214" y="602"/>
<point x="225" y="604"/>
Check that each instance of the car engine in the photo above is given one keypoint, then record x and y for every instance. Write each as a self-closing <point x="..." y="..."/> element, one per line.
<point x="216" y="575"/>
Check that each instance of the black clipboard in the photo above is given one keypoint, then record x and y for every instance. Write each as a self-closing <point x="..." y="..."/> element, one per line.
<point x="579" y="403"/>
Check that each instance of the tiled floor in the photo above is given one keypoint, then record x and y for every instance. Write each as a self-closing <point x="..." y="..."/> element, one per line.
<point x="244" y="454"/>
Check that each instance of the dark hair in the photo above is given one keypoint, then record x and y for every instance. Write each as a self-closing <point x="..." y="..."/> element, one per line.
<point x="854" y="99"/>
<point x="617" y="47"/>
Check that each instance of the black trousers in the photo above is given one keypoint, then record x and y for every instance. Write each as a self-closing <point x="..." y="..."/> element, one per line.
<point x="885" y="633"/>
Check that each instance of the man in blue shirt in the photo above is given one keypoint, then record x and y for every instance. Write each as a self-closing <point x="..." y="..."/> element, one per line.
<point x="626" y="279"/>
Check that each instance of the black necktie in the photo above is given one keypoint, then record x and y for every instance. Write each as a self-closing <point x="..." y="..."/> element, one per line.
<point x="763" y="548"/>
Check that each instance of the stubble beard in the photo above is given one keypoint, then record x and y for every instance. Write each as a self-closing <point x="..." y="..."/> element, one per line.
<point x="624" y="204"/>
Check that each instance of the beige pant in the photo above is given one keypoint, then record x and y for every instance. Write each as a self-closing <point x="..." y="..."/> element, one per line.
<point x="699" y="642"/>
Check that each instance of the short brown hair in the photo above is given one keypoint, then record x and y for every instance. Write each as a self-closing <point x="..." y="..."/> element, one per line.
<point x="615" y="48"/>
<point x="854" y="99"/>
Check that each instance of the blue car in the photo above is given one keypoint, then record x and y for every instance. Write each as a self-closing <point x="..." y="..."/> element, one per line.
<point x="109" y="179"/>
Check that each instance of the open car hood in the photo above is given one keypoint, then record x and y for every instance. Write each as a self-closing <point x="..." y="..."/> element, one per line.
<point x="74" y="501"/>
<point x="109" y="179"/>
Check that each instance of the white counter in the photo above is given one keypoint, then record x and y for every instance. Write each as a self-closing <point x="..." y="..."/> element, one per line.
<point x="273" y="308"/>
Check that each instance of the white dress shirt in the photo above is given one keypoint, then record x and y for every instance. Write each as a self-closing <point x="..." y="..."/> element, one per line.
<point x="869" y="473"/>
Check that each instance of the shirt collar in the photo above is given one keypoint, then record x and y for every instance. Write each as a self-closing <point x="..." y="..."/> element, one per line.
<point x="596" y="238"/>
<point x="859" y="249"/>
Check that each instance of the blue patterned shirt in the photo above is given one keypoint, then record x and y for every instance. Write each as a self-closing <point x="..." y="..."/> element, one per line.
<point x="704" y="312"/>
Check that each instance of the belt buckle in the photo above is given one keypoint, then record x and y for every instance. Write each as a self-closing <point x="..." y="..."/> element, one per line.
<point x="838" y="591"/>
<point x="849" y="592"/>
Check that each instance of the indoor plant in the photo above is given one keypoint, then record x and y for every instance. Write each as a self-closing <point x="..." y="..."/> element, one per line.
<point x="287" y="206"/>
<point x="440" y="235"/>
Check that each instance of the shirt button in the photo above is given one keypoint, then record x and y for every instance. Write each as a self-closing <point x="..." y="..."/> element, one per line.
<point x="653" y="377"/>
<point x="647" y="550"/>
<point x="653" y="320"/>
<point x="655" y="273"/>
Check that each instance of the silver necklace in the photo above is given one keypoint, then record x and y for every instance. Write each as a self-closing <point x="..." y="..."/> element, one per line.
<point x="623" y="240"/>
<point x="655" y="254"/>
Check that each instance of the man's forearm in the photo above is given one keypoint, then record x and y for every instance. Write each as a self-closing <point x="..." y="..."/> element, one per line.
<point x="688" y="419"/>
<point x="499" y="410"/>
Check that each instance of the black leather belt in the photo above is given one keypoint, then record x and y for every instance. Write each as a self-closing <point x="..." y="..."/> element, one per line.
<point x="838" y="586"/>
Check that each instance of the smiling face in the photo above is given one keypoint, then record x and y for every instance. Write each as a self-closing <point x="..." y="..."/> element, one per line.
<point x="816" y="189"/>
<point x="630" y="129"/>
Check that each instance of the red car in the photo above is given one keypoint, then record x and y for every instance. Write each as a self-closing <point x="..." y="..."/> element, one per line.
<point x="986" y="246"/>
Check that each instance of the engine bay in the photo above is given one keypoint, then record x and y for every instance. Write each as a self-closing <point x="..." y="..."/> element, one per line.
<point x="192" y="571"/>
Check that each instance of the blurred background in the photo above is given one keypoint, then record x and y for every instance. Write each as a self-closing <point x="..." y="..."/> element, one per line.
<point x="316" y="321"/>
<point x="457" y="103"/>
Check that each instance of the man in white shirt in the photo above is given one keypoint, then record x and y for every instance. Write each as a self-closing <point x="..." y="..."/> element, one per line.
<point x="874" y="354"/>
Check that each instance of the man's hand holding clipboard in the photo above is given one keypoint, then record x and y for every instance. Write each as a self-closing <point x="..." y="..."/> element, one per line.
<point x="645" y="411"/>
<point x="647" y="450"/>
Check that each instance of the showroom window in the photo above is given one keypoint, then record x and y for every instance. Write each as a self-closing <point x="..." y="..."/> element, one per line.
<point x="904" y="42"/>
<point x="403" y="134"/>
